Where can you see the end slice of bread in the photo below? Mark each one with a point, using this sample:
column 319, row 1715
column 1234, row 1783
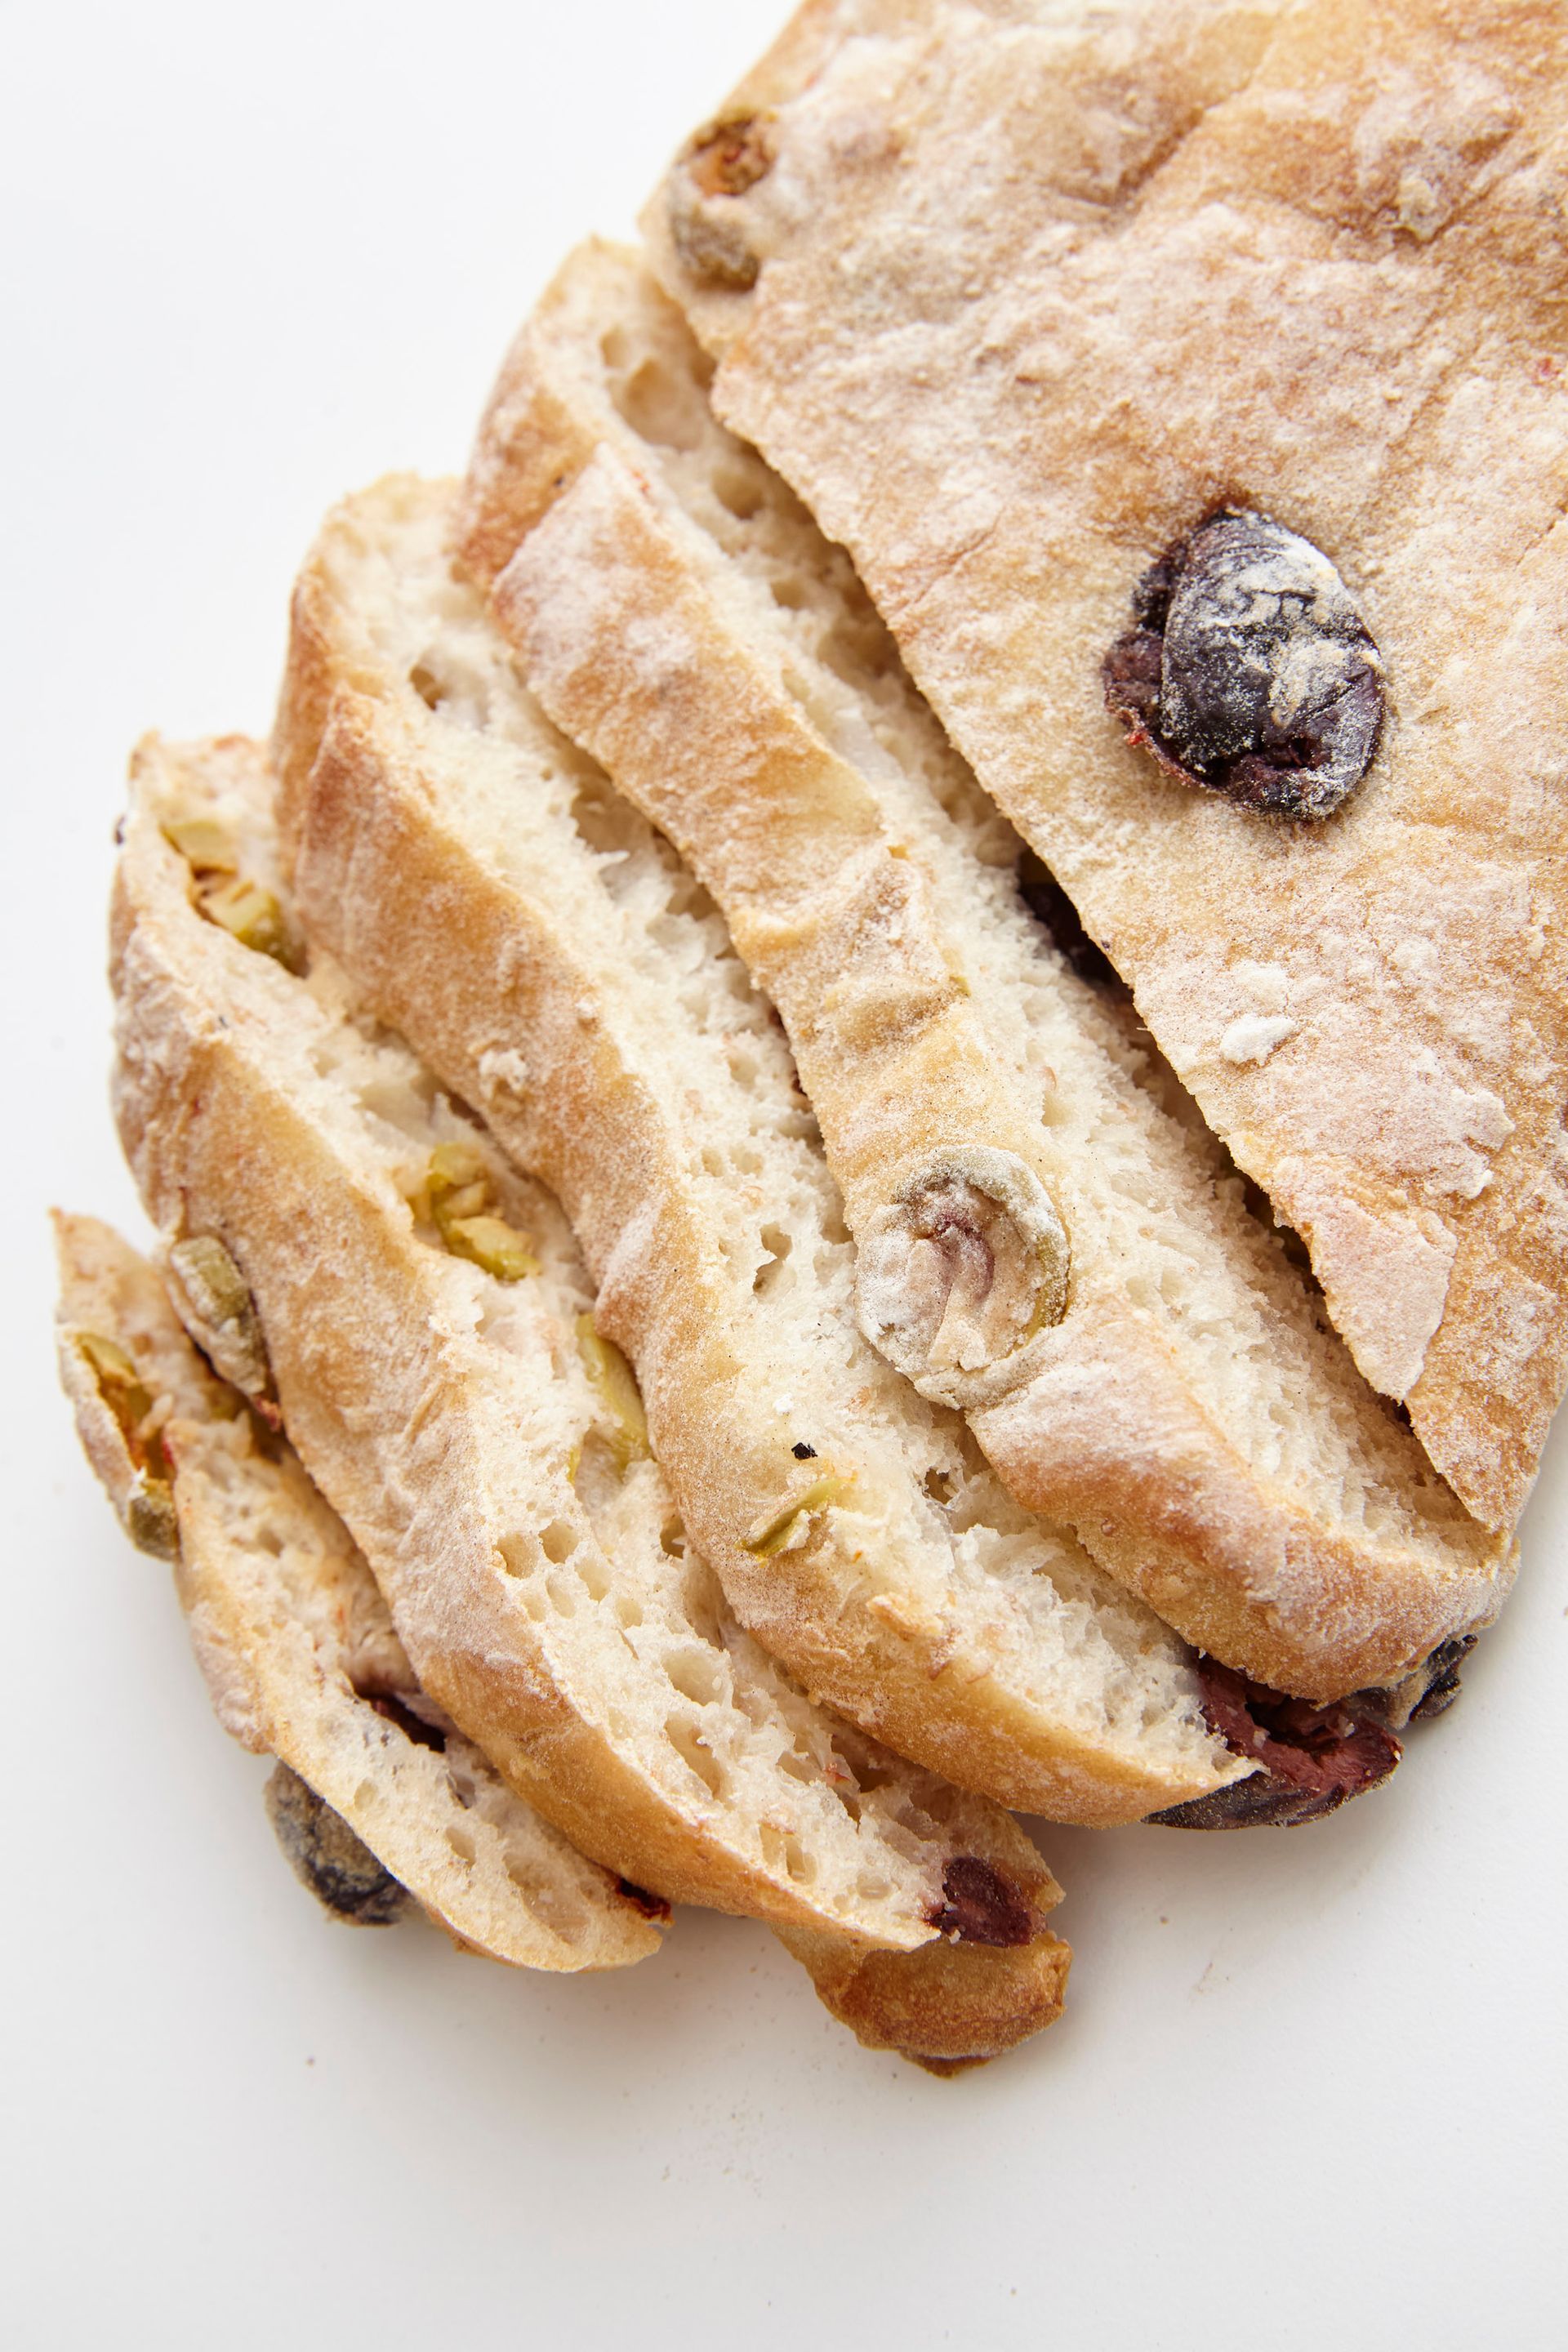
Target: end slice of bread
column 294, row 1639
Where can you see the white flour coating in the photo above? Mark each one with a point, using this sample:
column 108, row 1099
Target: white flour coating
column 1252, row 1036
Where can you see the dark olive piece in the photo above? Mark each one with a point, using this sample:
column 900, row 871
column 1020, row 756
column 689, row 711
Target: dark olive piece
column 1250, row 673
column 1261, row 1802
column 1443, row 1670
column 980, row 1906
column 1313, row 1757
column 412, row 1726
column 340, row 1870
column 652, row 1907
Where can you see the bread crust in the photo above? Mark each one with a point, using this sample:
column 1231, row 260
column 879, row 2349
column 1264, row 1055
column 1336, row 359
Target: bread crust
column 294, row 1686
column 973, row 345
column 452, row 938
column 936, row 2006
column 637, row 634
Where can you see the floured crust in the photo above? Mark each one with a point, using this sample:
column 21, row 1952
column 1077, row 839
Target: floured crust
column 480, row 928
column 1034, row 296
column 1276, row 1517
column 296, row 1646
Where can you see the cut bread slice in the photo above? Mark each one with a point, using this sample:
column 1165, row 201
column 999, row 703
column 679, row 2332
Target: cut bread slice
column 377, row 1796
column 294, row 1639
column 1022, row 301
column 428, row 1332
column 1174, row 1396
column 499, row 904
column 603, row 500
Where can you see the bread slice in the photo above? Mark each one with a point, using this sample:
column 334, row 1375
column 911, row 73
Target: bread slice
column 294, row 1639
column 1175, row 1399
column 501, row 906
column 1016, row 301
column 434, row 1362
column 602, row 499
column 376, row 1795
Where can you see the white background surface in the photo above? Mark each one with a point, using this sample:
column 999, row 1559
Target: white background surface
column 1309, row 2089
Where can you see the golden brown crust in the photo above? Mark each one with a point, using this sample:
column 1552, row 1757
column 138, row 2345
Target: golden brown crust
column 950, row 2005
column 974, row 345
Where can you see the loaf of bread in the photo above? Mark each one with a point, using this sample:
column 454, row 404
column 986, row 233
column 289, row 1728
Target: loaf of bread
column 295, row 1643
column 702, row 1348
column 499, row 904
column 1170, row 1394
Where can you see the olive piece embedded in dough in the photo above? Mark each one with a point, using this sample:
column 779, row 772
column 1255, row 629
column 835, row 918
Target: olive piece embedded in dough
column 615, row 1384
column 1251, row 673
column 719, row 164
column 150, row 1516
column 980, row 1905
column 204, row 844
column 960, row 1268
column 214, row 1302
column 458, row 1191
column 785, row 1529
column 328, row 1857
